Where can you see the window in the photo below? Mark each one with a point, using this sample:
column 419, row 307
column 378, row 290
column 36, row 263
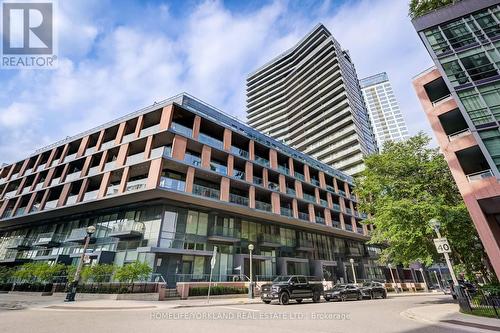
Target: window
column 197, row 223
column 478, row 66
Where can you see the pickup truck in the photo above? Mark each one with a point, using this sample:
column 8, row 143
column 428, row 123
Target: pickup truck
column 296, row 287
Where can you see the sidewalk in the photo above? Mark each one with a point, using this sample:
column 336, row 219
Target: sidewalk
column 448, row 315
column 410, row 293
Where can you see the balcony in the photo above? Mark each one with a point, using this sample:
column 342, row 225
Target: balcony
column 204, row 138
column 239, row 152
column 71, row 200
column 181, row 129
column 320, row 219
column 258, row 181
column 359, row 230
column 336, row 207
column 93, row 171
column 136, row 185
column 239, row 174
column 40, row 167
column 127, row 229
column 90, row 195
column 348, row 211
column 128, row 137
column 336, row 224
column 284, row 169
column 134, row 159
column 193, row 160
column 305, row 245
column 304, row 216
column 309, row 197
column 206, row 191
column 78, row 236
column 109, row 166
column 173, row 184
column 219, row 168
column 158, row 152
column 330, row 188
column 348, row 227
column 459, row 134
column 323, row 202
column 20, row 211
column 90, row 150
column 70, row 158
column 263, row 206
column 238, row 199
column 314, row 181
column 479, row 175
column 50, row 204
column 262, row 161
column 112, row 190
column 72, row 176
column 48, row 239
column 286, row 212
column 55, row 181
column 342, row 193
column 290, row 191
column 299, row 176
column 150, row 130
column 273, row 186
column 107, row 145
column 267, row 240
column 223, row 235
column 19, row 243
column 10, row 194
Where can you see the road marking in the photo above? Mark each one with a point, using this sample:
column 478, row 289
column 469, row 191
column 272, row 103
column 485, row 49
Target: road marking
column 240, row 309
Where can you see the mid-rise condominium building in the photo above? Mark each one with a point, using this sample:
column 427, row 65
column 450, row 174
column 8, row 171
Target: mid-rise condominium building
column 461, row 98
column 309, row 98
column 386, row 119
column 169, row 182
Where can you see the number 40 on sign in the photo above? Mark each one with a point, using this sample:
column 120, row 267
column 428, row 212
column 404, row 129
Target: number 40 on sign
column 442, row 245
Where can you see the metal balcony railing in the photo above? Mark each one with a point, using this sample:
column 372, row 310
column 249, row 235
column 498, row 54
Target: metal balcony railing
column 303, row 216
column 181, row 129
column 206, row 191
column 136, row 185
column 459, row 134
column 216, row 143
column 238, row 199
column 263, row 206
column 48, row 239
column 173, row 184
column 19, row 243
column 239, row 152
column 286, row 212
column 90, row 195
column 262, row 161
column 479, row 175
column 127, row 229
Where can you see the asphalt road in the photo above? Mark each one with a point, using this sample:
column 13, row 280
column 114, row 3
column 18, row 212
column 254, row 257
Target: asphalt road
column 353, row 316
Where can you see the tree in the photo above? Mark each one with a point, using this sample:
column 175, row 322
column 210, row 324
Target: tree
column 405, row 186
column 422, row 7
column 39, row 271
column 98, row 273
column 134, row 271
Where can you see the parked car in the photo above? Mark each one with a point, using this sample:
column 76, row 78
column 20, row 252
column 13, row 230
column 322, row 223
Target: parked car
column 295, row 287
column 373, row 290
column 343, row 292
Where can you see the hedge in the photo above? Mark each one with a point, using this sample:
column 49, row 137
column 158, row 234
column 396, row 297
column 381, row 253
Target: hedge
column 217, row 290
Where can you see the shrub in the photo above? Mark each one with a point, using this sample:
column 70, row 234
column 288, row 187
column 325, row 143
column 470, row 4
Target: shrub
column 6, row 274
column 492, row 289
column 133, row 272
column 217, row 290
column 39, row 271
column 422, row 7
column 98, row 273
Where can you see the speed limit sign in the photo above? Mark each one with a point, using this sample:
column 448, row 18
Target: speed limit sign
column 442, row 245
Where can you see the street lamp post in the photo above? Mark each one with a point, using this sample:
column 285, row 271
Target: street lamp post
column 250, row 287
column 437, row 280
column 436, row 225
column 353, row 271
column 396, row 289
column 70, row 296
column 423, row 277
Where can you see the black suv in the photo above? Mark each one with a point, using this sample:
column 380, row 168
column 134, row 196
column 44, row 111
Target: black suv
column 296, row 287
column 373, row 289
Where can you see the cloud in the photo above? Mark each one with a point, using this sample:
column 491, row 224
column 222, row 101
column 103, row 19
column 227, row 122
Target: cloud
column 112, row 63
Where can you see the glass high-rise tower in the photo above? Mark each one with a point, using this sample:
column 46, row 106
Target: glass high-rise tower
column 387, row 121
column 309, row 97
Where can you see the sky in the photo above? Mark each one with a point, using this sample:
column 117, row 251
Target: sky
column 118, row 56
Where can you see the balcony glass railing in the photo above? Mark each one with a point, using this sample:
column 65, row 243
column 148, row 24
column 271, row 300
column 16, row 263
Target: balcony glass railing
column 18, row 242
column 172, row 184
column 39, row 186
column 221, row 231
column 50, row 204
column 320, row 219
column 239, row 174
column 314, row 181
column 10, row 194
column 299, row 176
column 127, row 226
column 305, row 243
column 359, row 230
column 40, row 167
column 290, row 191
column 348, row 227
column 20, row 211
column 73, row 176
column 150, row 130
column 71, row 200
column 206, row 191
column 336, row 207
column 181, row 129
column 267, row 238
column 136, row 185
column 239, row 152
column 216, row 143
column 258, row 181
column 192, row 159
column 35, row 207
column 262, row 161
column 112, row 190
column 7, row 213
column 263, row 206
column 286, row 212
column 14, row 176
column 26, row 190
column 47, row 237
column 323, row 202
column 219, row 168
column 342, row 193
column 167, row 152
column 70, row 157
column 348, row 211
column 303, row 216
column 238, row 199
column 336, row 224
column 284, row 169
column 479, row 175
column 330, row 188
column 273, row 186
column 90, row 195
column 309, row 197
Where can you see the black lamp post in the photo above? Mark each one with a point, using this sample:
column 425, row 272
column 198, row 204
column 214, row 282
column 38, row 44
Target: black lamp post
column 70, row 296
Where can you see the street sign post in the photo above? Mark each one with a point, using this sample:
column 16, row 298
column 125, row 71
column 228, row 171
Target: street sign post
column 212, row 265
column 442, row 245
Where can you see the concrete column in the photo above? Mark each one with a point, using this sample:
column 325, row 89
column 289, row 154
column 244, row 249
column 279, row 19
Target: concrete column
column 251, row 197
column 347, row 190
column 335, row 185
column 49, row 177
column 353, row 222
column 249, row 172
column 322, row 180
column 24, row 167
column 251, row 150
column 30, row 203
column 83, row 146
column 295, row 208
column 45, row 197
column 122, row 155
column 83, row 189
column 4, row 206
column 86, row 166
column 316, row 194
column 227, row 139
column 16, row 205
column 312, row 215
column 190, row 179
column 38, row 160
column 167, row 114
column 64, row 173
column 139, row 125
column 265, row 178
column 35, row 182
column 196, row 127
column 104, row 185
column 206, row 152
column 64, row 195
column 282, row 183
column 103, row 160
column 224, row 189
column 99, row 140
column 230, row 165
column 124, row 180
column 64, row 154
column 21, row 185
column 121, row 132
column 342, row 222
column 179, row 145
column 149, row 146
column 276, row 203
column 329, row 199
column 154, row 173
column 298, row 189
column 11, row 171
column 328, row 217
column 307, row 175
column 273, row 159
column 291, row 167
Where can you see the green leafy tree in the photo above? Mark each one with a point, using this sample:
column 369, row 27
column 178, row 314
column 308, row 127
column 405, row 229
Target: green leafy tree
column 6, row 273
column 133, row 272
column 405, row 186
column 422, row 7
column 98, row 273
column 39, row 271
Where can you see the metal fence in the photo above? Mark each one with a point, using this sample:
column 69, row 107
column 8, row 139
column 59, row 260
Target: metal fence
column 478, row 302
